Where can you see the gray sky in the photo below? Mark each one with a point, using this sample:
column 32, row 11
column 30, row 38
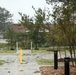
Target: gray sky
column 24, row 6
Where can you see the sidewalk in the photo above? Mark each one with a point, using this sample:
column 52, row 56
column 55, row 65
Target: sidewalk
column 13, row 67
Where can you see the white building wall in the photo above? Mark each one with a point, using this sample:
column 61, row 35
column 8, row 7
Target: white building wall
column 3, row 41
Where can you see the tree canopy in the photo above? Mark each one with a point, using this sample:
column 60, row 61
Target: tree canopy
column 5, row 18
column 35, row 26
column 65, row 20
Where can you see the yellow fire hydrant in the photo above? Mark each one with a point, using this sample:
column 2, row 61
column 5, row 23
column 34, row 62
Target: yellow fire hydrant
column 21, row 56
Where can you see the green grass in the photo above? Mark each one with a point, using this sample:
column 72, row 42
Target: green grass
column 41, row 51
column 48, row 51
column 7, row 51
column 2, row 62
column 48, row 62
column 45, row 62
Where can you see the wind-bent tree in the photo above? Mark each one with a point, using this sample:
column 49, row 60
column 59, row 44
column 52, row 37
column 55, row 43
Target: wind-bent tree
column 5, row 18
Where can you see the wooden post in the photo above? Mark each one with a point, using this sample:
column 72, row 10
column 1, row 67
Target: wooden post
column 17, row 46
column 31, row 45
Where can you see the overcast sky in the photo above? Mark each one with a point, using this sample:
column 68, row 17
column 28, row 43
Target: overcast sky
column 24, row 6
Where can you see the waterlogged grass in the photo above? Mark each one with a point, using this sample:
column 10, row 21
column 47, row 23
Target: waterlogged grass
column 2, row 62
column 7, row 51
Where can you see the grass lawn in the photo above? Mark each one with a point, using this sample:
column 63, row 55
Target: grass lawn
column 48, row 51
column 7, row 51
column 41, row 51
column 49, row 62
column 2, row 62
column 45, row 62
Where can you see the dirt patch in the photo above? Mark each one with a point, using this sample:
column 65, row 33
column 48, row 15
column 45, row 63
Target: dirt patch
column 49, row 70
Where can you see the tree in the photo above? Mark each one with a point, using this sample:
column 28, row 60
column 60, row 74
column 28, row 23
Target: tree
column 36, row 27
column 27, row 22
column 65, row 19
column 11, row 38
column 5, row 18
column 39, row 27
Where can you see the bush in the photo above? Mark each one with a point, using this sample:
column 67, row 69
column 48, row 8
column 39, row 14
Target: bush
column 36, row 48
column 12, row 49
column 49, row 49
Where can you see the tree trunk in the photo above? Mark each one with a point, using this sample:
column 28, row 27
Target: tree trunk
column 65, row 51
column 36, row 46
column 59, row 51
column 74, row 54
column 71, row 55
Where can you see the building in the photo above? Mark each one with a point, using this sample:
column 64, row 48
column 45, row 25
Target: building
column 2, row 40
column 17, row 28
